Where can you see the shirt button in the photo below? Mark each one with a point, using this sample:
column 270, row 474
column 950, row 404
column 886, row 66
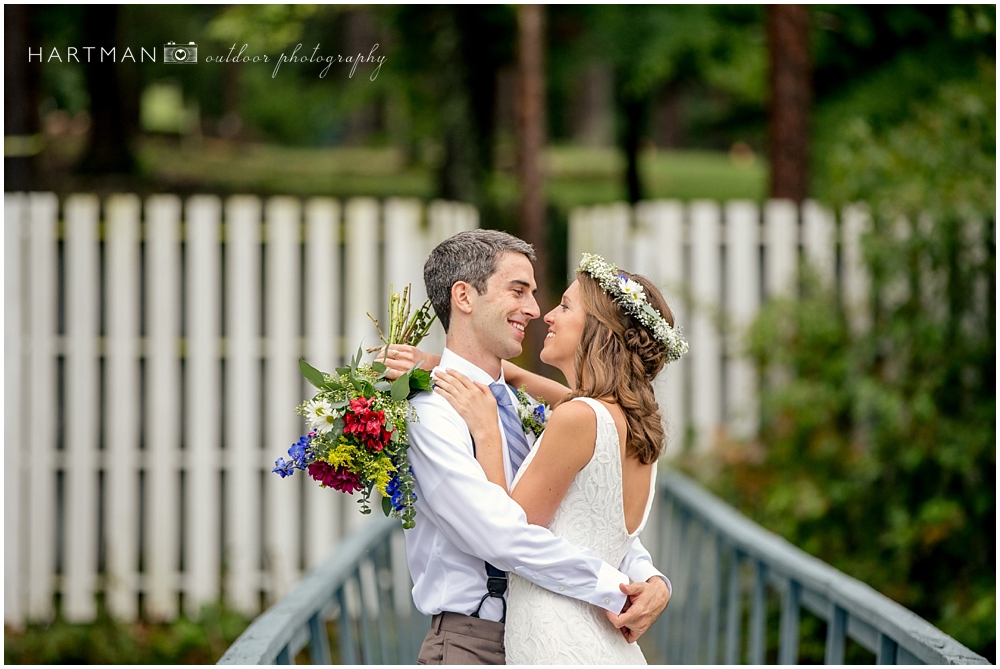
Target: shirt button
column 561, row 588
column 607, row 600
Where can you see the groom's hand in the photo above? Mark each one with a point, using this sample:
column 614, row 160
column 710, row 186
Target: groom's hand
column 644, row 605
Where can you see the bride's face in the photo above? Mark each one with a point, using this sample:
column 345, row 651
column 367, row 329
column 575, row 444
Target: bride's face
column 565, row 329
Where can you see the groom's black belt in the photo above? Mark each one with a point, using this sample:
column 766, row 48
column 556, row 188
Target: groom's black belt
column 496, row 586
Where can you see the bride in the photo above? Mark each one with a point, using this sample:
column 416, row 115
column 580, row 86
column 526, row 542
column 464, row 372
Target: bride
column 591, row 477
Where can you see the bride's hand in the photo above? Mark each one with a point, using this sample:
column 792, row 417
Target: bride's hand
column 400, row 358
column 473, row 401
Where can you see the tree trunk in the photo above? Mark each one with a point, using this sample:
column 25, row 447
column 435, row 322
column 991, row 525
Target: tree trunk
column 632, row 123
column 22, row 140
column 459, row 172
column 112, row 123
column 530, row 143
column 790, row 101
column 635, row 112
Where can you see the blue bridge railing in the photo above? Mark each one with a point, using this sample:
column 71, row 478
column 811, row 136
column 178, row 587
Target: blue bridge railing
column 356, row 608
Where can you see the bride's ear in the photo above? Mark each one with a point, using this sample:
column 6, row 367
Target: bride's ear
column 463, row 296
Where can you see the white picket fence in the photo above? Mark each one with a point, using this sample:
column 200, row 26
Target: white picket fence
column 150, row 378
column 716, row 264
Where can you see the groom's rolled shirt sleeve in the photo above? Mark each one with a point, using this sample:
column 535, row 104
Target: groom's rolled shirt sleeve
column 480, row 519
column 638, row 565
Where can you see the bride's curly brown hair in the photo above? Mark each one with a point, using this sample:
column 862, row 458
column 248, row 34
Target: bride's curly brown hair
column 618, row 358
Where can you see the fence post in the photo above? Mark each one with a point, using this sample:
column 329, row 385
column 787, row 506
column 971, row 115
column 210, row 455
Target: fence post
column 122, row 410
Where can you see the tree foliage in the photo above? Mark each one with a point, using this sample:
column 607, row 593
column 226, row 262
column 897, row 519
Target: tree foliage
column 877, row 451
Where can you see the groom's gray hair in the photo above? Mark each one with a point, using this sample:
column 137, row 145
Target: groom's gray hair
column 471, row 257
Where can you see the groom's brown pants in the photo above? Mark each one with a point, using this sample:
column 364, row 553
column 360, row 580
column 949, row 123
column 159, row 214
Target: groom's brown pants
column 458, row 639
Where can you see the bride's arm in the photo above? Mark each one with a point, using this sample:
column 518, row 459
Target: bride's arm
column 568, row 446
column 538, row 386
column 476, row 405
column 398, row 358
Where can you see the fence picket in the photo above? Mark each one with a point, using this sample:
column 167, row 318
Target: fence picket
column 163, row 408
column 780, row 248
column 761, row 261
column 742, row 303
column 180, row 412
column 41, row 338
column 121, row 408
column 819, row 240
column 669, row 237
column 403, row 263
column 14, row 213
column 282, row 388
column 324, row 508
column 243, row 408
column 612, row 233
column 203, row 411
column 579, row 239
column 855, row 283
column 362, row 293
column 706, row 356
column 80, row 498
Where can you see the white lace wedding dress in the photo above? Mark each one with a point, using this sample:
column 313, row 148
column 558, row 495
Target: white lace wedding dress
column 546, row 628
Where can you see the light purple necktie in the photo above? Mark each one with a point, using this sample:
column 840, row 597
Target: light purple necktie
column 517, row 443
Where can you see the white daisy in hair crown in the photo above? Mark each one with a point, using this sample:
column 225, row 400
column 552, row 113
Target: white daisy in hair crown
column 629, row 294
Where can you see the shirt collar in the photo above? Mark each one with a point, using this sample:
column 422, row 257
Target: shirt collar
column 452, row 360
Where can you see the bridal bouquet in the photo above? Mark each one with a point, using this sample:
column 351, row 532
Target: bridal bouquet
column 358, row 419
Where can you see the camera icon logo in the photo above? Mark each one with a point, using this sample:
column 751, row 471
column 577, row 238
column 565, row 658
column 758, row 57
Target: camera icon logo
column 180, row 54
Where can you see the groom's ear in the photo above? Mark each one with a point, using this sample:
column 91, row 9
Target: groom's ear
column 463, row 296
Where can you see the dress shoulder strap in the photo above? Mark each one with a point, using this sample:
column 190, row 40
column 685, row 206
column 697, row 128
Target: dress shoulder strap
column 605, row 423
column 603, row 415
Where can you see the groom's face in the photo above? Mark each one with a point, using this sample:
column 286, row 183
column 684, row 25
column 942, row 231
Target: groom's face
column 499, row 315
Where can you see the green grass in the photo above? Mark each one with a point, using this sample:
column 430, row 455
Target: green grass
column 107, row 641
column 575, row 176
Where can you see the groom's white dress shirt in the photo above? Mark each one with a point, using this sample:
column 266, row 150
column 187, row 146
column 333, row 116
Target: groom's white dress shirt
column 463, row 520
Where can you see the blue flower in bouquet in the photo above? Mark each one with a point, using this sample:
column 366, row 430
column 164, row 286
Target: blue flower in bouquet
column 299, row 451
column 282, row 468
column 395, row 494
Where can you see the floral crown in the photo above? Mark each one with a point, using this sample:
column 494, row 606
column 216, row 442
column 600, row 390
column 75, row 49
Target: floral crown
column 629, row 294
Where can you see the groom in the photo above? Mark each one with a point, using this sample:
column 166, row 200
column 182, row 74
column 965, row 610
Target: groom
column 481, row 284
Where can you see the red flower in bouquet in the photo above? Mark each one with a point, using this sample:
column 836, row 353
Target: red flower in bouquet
column 366, row 425
column 338, row 478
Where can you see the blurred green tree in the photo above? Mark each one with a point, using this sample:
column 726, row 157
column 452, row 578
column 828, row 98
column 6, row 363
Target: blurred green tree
column 449, row 58
column 878, row 455
column 655, row 50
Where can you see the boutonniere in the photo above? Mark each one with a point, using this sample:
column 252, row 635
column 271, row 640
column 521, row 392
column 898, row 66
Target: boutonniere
column 533, row 414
